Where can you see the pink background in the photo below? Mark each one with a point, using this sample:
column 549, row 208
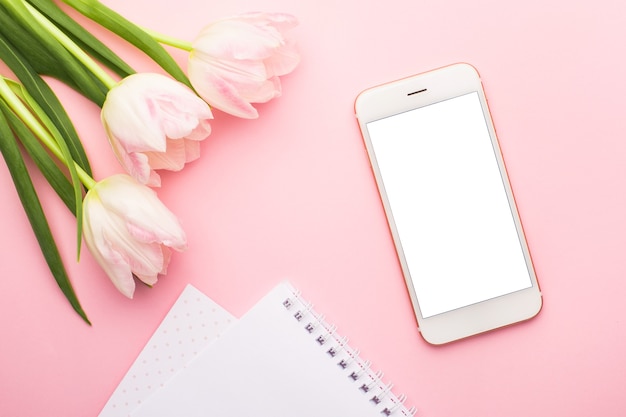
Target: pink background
column 290, row 195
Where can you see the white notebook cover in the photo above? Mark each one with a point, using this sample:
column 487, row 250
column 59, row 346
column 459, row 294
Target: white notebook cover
column 269, row 363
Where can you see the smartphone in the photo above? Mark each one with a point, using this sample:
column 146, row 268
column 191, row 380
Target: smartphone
column 449, row 204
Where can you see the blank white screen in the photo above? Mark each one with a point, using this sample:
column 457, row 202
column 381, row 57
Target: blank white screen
column 449, row 204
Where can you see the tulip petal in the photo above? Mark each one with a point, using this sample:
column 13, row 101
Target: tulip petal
column 142, row 209
column 251, row 79
column 119, row 271
column 263, row 92
column 179, row 116
column 153, row 278
column 149, row 280
column 174, row 159
column 136, row 164
column 284, row 60
column 167, row 255
column 192, row 150
column 232, row 39
column 132, row 120
column 201, row 132
column 218, row 92
column 144, row 259
column 112, row 262
column 281, row 21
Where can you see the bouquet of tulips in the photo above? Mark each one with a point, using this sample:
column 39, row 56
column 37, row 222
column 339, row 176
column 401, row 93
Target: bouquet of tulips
column 154, row 121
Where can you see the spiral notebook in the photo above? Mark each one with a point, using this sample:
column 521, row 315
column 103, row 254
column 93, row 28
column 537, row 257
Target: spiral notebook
column 281, row 359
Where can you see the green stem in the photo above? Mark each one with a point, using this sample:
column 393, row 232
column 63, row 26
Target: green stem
column 71, row 46
column 33, row 124
column 168, row 40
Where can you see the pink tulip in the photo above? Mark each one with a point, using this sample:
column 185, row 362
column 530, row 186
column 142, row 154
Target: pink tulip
column 129, row 231
column 154, row 122
column 237, row 61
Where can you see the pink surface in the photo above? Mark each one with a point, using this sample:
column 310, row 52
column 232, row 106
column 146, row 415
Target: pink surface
column 290, row 195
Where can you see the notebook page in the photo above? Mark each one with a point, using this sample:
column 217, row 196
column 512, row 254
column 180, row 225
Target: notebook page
column 191, row 324
column 269, row 364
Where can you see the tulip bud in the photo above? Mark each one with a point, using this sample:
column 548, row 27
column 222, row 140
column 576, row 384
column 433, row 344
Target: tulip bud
column 154, row 122
column 237, row 61
column 129, row 231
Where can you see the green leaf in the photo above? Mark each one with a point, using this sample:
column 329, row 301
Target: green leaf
column 32, row 207
column 27, row 109
column 86, row 82
column 46, row 98
column 48, row 167
column 60, row 140
column 132, row 33
column 82, row 37
column 13, row 33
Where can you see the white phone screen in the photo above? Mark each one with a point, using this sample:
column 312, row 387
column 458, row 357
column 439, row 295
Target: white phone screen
column 449, row 204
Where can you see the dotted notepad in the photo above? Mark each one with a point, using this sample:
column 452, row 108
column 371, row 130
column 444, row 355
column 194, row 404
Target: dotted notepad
column 192, row 323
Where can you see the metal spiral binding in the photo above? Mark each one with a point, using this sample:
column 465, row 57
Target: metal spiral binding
column 348, row 360
column 367, row 387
